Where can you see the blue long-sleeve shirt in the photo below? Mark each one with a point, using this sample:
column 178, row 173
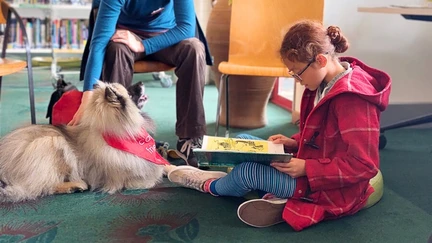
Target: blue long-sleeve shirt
column 176, row 17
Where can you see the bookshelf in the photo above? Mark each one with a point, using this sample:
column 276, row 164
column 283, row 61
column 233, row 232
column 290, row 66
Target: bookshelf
column 55, row 11
column 54, row 28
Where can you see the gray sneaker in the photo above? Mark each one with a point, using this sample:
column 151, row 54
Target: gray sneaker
column 262, row 213
column 191, row 177
column 185, row 150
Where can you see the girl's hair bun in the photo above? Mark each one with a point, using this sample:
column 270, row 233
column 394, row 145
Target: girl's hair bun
column 337, row 39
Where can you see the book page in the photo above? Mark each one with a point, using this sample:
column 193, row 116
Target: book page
column 411, row 6
column 211, row 143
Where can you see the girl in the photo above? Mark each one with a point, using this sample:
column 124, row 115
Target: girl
column 336, row 150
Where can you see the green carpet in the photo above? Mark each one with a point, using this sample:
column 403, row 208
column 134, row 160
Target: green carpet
column 172, row 214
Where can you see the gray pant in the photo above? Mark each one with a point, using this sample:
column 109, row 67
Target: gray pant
column 188, row 57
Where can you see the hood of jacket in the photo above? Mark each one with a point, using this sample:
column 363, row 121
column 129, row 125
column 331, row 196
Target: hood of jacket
column 369, row 83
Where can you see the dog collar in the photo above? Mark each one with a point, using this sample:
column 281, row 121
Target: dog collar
column 143, row 146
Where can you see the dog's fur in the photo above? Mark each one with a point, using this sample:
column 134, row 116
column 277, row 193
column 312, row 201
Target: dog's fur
column 41, row 160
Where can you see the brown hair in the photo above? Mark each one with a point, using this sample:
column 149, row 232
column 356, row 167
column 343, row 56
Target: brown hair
column 306, row 39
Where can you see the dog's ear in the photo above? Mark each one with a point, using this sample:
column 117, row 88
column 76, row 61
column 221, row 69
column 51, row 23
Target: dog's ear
column 109, row 94
column 112, row 97
column 135, row 90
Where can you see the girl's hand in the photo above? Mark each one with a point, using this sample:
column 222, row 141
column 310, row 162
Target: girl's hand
column 288, row 143
column 129, row 39
column 295, row 168
column 85, row 100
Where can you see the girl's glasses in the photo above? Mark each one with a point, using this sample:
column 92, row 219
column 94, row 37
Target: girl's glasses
column 297, row 75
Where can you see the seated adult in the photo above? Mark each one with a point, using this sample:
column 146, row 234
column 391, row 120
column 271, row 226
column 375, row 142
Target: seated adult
column 162, row 30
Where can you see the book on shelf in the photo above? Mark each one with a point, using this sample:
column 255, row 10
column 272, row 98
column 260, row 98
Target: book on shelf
column 51, row 2
column 232, row 151
column 48, row 33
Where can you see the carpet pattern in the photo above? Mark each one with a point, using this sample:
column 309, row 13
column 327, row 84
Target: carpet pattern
column 169, row 213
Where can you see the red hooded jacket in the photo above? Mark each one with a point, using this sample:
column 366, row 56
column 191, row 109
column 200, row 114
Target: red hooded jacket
column 343, row 129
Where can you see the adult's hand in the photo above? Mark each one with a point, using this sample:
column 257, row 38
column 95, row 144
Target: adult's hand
column 85, row 100
column 128, row 38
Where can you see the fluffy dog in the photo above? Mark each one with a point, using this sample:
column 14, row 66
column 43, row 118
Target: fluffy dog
column 41, row 160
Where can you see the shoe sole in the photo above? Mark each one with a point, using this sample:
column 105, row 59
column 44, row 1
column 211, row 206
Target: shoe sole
column 175, row 154
column 261, row 213
column 172, row 153
column 188, row 167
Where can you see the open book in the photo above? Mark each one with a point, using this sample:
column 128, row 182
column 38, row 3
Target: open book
column 420, row 6
column 231, row 151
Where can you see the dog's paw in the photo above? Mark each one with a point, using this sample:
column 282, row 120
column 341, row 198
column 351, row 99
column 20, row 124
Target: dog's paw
column 77, row 189
column 168, row 169
column 71, row 187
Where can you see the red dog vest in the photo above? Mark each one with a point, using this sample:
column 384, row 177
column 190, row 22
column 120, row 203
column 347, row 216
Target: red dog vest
column 143, row 147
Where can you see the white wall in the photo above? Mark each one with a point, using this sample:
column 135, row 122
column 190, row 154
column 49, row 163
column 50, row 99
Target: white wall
column 203, row 9
column 402, row 48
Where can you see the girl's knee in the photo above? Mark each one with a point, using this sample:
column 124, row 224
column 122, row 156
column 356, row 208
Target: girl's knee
column 244, row 174
column 243, row 169
column 244, row 136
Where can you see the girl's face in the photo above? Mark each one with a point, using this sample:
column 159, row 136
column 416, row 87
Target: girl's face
column 310, row 75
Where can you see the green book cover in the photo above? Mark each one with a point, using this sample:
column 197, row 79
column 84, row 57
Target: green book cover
column 223, row 151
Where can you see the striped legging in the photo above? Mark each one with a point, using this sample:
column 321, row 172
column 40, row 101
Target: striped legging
column 249, row 176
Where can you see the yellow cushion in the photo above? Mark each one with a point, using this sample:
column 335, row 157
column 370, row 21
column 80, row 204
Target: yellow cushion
column 377, row 183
